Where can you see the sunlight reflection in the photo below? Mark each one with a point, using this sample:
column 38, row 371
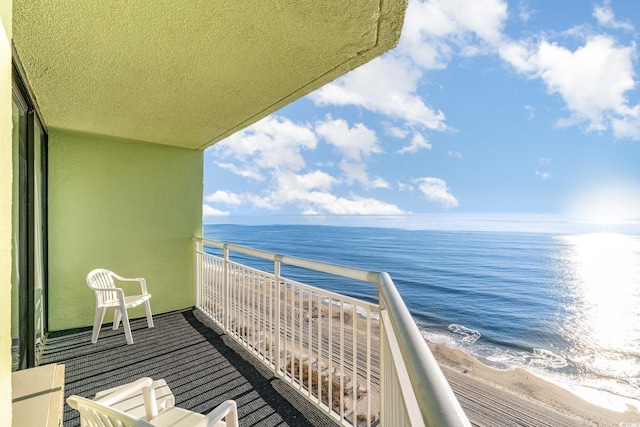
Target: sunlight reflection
column 604, row 277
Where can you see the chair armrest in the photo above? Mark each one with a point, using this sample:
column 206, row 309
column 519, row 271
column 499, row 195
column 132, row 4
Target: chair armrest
column 227, row 410
column 148, row 394
column 143, row 283
column 118, row 291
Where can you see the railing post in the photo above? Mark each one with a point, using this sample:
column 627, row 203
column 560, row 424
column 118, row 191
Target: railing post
column 382, row 354
column 199, row 247
column 225, row 288
column 276, row 273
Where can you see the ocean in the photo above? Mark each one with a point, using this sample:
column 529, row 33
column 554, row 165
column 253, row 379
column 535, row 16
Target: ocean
column 558, row 298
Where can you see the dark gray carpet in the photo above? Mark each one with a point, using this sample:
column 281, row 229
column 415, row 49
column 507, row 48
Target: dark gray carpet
column 202, row 368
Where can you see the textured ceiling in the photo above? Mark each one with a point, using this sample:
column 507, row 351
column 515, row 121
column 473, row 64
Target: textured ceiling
column 189, row 73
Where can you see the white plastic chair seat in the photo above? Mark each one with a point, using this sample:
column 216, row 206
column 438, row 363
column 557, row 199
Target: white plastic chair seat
column 181, row 417
column 120, row 406
column 133, row 403
column 108, row 296
column 130, row 301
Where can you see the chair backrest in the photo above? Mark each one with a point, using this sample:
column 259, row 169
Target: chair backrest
column 94, row 414
column 102, row 278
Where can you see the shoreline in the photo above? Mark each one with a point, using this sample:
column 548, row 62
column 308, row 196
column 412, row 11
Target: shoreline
column 467, row 375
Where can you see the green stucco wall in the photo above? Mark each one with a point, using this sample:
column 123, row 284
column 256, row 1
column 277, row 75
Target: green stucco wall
column 6, row 178
column 128, row 206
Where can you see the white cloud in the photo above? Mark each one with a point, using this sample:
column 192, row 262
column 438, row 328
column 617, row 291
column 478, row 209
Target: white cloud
column 273, row 150
column 525, row 12
column 208, row 210
column 592, row 80
column 404, row 186
column 605, row 17
column 418, row 142
column 311, row 193
column 263, row 202
column 316, row 180
column 317, row 201
column 386, row 85
column 378, row 182
column 454, row 154
column 246, row 172
column 544, row 174
column 272, row 143
column 355, row 172
column 396, row 132
column 435, row 190
column 628, row 126
column 356, row 143
column 520, row 55
column 530, row 112
column 433, row 28
column 354, row 205
column 224, row 197
column 544, row 163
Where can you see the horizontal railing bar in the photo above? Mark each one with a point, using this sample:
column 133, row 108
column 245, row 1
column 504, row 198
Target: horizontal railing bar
column 313, row 289
column 323, row 267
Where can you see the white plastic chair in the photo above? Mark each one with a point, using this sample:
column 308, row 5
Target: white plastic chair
column 110, row 409
column 102, row 282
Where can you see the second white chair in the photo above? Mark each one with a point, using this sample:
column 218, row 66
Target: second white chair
column 147, row 403
column 108, row 296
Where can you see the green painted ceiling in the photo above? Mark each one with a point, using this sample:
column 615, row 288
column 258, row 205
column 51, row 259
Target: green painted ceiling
column 189, row 73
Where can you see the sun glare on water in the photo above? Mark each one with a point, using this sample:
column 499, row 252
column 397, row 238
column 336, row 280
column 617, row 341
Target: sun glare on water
column 602, row 275
column 606, row 270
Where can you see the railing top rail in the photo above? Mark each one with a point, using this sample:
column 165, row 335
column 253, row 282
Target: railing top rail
column 324, row 267
column 438, row 404
column 321, row 292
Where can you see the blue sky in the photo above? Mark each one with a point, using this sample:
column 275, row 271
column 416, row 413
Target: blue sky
column 485, row 106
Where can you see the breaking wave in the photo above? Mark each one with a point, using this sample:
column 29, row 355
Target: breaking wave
column 468, row 335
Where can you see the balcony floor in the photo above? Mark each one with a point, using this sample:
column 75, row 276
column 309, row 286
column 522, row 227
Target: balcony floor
column 202, row 368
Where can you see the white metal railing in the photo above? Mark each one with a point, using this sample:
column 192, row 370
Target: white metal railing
column 359, row 362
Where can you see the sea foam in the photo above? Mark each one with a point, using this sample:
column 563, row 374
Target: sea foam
column 546, row 359
column 467, row 335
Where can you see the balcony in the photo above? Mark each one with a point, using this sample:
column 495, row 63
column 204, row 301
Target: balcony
column 288, row 353
column 227, row 346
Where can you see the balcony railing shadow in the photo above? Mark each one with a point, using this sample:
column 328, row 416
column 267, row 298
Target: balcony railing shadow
column 202, row 367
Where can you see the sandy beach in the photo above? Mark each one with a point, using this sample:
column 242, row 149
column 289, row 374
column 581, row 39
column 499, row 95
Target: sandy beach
column 515, row 397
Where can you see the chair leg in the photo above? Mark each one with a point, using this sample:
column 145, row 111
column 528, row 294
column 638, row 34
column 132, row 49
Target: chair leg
column 127, row 327
column 97, row 323
column 147, row 308
column 116, row 318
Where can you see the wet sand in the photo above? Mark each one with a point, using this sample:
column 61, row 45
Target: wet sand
column 515, row 397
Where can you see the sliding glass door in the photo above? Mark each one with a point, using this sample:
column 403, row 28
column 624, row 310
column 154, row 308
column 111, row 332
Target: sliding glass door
column 29, row 272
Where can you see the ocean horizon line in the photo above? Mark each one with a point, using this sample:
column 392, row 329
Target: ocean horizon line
column 479, row 222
